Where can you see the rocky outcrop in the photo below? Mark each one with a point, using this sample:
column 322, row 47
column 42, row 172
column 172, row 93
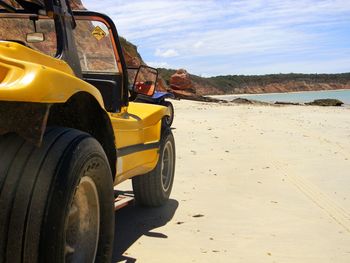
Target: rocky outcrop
column 181, row 81
column 131, row 55
column 187, row 86
column 181, row 84
column 242, row 101
column 326, row 102
column 287, row 103
column 190, row 96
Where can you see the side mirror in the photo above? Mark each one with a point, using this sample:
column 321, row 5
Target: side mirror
column 35, row 37
column 145, row 81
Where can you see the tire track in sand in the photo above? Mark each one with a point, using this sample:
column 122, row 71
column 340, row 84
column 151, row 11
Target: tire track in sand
column 334, row 210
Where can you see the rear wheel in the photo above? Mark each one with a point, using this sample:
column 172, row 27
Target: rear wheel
column 168, row 120
column 154, row 188
column 56, row 201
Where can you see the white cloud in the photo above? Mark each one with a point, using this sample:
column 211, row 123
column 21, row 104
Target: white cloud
column 198, row 44
column 157, row 64
column 169, row 53
column 224, row 31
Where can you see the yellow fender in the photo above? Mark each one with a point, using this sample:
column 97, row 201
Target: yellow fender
column 24, row 73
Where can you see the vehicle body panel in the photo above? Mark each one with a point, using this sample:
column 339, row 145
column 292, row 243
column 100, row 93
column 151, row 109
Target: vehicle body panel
column 24, row 75
column 142, row 120
column 138, row 132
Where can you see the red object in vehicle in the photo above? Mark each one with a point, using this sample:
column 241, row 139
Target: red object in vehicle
column 145, row 88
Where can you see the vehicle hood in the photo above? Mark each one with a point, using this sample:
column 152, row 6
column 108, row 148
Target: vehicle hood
column 27, row 75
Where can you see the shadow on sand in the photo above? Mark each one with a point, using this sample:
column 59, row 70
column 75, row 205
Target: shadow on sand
column 133, row 222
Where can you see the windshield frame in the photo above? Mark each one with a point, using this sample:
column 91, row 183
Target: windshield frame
column 91, row 15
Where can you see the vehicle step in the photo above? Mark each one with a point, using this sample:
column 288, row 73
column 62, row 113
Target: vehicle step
column 123, row 200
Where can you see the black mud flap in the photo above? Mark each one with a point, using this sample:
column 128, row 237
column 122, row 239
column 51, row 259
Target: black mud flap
column 26, row 119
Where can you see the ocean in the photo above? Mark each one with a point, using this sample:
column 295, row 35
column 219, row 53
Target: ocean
column 301, row 97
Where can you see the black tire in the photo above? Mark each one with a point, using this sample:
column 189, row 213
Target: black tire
column 168, row 120
column 37, row 190
column 153, row 189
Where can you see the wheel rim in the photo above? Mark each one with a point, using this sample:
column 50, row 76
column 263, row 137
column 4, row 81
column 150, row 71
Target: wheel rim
column 168, row 119
column 167, row 165
column 83, row 223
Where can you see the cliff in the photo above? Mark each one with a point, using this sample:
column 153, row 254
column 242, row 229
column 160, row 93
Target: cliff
column 274, row 83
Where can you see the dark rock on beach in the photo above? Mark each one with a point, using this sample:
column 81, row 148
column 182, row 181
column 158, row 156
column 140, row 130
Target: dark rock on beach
column 242, row 101
column 326, row 102
column 287, row 103
column 197, row 98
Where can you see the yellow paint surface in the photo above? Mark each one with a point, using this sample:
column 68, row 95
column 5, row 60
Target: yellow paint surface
column 24, row 75
column 27, row 75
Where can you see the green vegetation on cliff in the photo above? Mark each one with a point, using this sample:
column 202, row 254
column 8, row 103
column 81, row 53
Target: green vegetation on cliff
column 232, row 82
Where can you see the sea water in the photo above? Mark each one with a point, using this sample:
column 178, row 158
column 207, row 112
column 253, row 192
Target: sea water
column 301, row 97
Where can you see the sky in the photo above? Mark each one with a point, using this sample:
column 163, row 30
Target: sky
column 221, row 37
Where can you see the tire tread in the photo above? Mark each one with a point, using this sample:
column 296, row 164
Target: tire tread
column 26, row 180
column 148, row 187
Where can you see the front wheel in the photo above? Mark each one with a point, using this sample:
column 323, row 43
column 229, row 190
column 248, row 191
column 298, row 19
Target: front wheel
column 56, row 201
column 168, row 120
column 154, row 188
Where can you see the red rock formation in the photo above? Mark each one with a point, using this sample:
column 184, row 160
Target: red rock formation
column 181, row 80
column 181, row 84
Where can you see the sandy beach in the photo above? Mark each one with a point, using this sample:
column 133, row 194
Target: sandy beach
column 252, row 184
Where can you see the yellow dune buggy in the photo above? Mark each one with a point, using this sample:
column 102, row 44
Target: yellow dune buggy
column 68, row 134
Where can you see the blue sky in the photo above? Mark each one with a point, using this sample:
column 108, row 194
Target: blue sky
column 209, row 37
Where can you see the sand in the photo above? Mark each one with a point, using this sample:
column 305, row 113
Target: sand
column 253, row 184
